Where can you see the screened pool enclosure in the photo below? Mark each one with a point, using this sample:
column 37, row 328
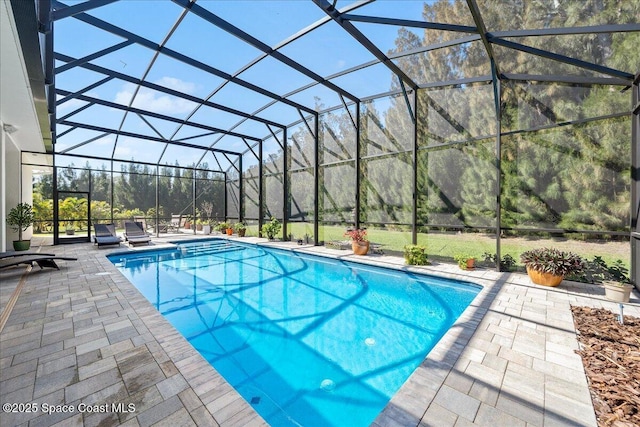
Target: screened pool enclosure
column 483, row 125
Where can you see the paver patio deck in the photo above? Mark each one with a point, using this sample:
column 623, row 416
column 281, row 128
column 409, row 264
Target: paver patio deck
column 85, row 335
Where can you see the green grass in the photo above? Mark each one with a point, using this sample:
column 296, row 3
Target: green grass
column 445, row 245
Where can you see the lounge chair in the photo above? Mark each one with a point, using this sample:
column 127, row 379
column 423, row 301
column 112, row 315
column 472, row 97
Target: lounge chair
column 10, row 254
column 174, row 225
column 135, row 235
column 43, row 260
column 105, row 234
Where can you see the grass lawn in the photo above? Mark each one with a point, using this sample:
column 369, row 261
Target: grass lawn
column 444, row 246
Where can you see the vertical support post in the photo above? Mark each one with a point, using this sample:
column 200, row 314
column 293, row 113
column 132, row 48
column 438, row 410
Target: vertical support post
column 497, row 93
column 157, row 218
column 193, row 200
column 414, row 177
column 89, row 207
column 225, row 199
column 357, row 166
column 56, row 217
column 240, row 191
column 316, row 180
column 635, row 182
column 285, row 184
column 260, row 190
column 111, row 198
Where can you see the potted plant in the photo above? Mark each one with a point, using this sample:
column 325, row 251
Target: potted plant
column 187, row 222
column 465, row 261
column 199, row 224
column 207, row 209
column 617, row 291
column 548, row 267
column 415, row 255
column 359, row 241
column 19, row 219
column 206, row 228
column 271, row 228
column 240, row 228
column 223, row 227
column 69, row 229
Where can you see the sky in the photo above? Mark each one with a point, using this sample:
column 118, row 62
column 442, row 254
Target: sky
column 326, row 51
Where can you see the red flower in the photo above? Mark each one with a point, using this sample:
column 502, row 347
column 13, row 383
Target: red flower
column 357, row 235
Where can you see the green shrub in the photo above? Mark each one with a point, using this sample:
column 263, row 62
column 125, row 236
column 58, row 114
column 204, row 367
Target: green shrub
column 271, row 228
column 415, row 255
column 597, row 271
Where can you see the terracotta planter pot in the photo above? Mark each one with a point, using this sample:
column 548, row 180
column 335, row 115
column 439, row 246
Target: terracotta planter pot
column 229, row 231
column 617, row 292
column 360, row 248
column 544, row 279
column 199, row 227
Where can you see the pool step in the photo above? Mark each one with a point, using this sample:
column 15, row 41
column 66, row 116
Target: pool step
column 210, row 250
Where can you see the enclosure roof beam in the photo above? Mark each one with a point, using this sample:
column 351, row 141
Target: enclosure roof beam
column 155, row 115
column 105, row 26
column 247, row 38
column 145, row 137
column 482, row 29
column 66, row 11
column 410, row 23
column 330, row 10
column 591, row 29
column 562, row 58
column 579, row 80
column 153, row 86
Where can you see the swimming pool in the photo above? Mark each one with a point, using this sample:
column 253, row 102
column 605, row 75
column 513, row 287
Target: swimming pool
column 306, row 340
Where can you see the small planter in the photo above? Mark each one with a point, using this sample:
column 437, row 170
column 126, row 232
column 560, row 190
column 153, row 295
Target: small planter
column 187, row 225
column 470, row 264
column 360, row 248
column 544, row 279
column 241, row 232
column 21, row 245
column 206, row 229
column 229, row 231
column 70, row 232
column 617, row 292
column 199, row 227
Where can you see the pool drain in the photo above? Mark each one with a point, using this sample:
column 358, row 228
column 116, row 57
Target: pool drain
column 327, row 385
column 370, row 341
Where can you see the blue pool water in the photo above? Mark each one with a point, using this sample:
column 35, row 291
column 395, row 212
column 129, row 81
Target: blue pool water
column 306, row 340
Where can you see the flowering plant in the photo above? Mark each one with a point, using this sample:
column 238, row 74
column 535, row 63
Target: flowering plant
column 357, row 234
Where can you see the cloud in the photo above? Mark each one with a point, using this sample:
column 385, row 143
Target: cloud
column 177, row 84
column 158, row 102
column 73, row 103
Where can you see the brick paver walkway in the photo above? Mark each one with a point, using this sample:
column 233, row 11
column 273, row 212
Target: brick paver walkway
column 84, row 337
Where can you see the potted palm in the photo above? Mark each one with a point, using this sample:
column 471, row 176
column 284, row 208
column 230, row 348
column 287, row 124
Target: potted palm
column 19, row 219
column 548, row 267
column 359, row 241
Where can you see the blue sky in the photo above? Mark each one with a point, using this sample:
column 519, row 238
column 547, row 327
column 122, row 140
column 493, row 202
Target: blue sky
column 326, row 51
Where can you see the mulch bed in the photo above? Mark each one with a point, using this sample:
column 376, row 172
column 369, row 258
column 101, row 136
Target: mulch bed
column 611, row 356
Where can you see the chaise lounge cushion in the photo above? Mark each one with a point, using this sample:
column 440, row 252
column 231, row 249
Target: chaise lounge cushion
column 105, row 234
